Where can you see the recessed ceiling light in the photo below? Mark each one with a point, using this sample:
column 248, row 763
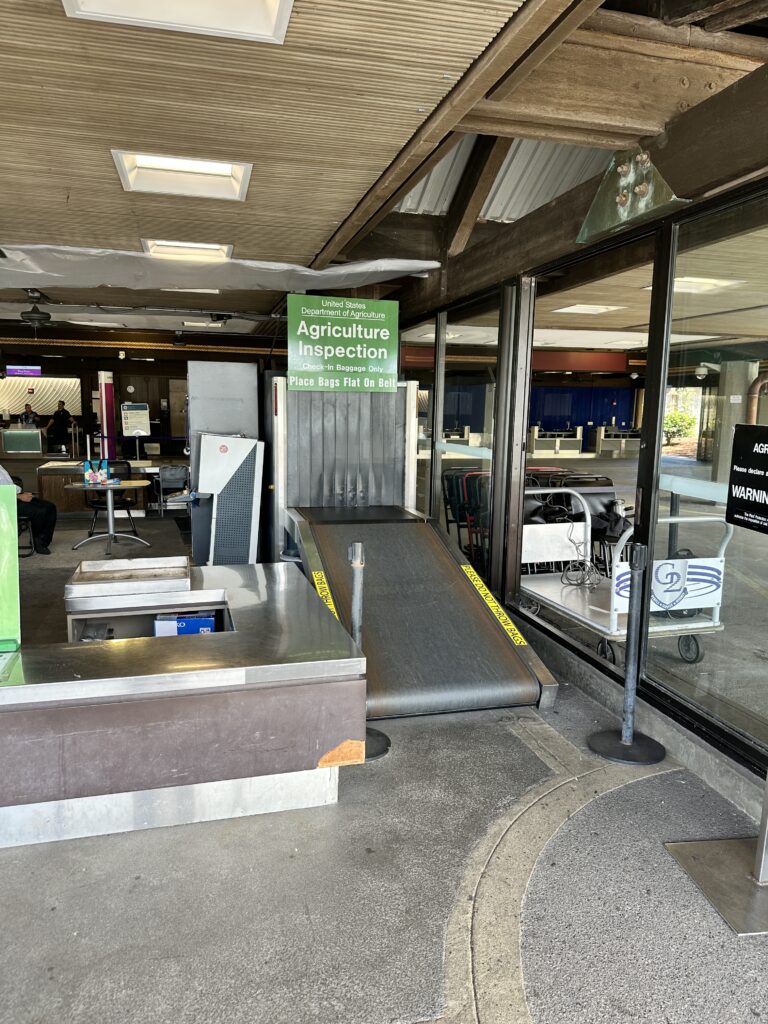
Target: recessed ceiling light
column 95, row 323
column 196, row 291
column 262, row 20
column 701, row 285
column 199, row 252
column 203, row 323
column 182, row 176
column 587, row 309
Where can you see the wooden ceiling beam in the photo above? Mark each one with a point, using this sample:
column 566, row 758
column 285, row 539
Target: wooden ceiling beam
column 434, row 158
column 516, row 40
column 573, row 99
column 733, row 17
column 565, row 26
column 574, row 134
column 475, row 184
column 684, row 12
column 632, row 33
column 707, row 148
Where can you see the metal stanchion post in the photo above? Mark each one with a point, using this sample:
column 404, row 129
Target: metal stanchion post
column 377, row 743
column 627, row 746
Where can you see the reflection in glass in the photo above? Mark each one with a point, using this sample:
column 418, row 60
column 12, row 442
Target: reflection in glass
column 587, row 398
column 708, row 641
column 465, row 447
column 417, row 362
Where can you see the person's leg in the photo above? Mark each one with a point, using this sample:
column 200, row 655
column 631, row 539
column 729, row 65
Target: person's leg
column 43, row 516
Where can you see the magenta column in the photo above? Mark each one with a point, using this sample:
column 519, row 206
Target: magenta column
column 107, row 414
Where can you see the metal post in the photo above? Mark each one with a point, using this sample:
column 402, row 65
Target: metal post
column 357, row 561
column 627, row 746
column 761, row 854
column 377, row 743
column 674, row 511
column 637, row 562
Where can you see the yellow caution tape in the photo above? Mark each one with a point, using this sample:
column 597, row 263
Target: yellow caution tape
column 324, row 591
column 494, row 607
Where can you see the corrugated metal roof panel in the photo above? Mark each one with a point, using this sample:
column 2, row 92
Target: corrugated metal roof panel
column 434, row 193
column 534, row 173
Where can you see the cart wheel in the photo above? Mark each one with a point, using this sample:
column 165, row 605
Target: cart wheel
column 530, row 605
column 690, row 649
column 609, row 651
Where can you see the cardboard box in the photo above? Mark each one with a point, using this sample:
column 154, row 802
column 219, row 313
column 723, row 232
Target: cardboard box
column 185, row 625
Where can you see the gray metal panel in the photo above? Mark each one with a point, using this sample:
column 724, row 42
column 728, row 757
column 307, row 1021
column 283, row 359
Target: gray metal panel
column 346, row 450
column 223, row 399
column 234, row 513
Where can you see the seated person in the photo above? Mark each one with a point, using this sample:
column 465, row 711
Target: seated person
column 42, row 514
column 29, row 417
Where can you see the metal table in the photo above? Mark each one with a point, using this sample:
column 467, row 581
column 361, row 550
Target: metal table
column 109, row 490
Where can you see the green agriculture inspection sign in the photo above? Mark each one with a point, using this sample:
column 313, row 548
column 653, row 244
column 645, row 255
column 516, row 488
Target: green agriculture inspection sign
column 341, row 344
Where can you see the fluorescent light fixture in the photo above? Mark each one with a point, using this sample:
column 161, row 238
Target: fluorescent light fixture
column 701, row 285
column 182, row 175
column 196, row 291
column 588, row 310
column 203, row 323
column 264, row 21
column 199, row 252
column 95, row 323
column 142, row 359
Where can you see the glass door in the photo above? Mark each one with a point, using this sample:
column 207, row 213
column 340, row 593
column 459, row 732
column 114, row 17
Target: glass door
column 707, row 633
column 583, row 438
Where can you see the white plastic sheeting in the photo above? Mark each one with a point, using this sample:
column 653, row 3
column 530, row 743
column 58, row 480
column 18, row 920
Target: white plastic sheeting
column 43, row 266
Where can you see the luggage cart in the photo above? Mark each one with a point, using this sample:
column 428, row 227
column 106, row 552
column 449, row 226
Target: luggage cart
column 686, row 592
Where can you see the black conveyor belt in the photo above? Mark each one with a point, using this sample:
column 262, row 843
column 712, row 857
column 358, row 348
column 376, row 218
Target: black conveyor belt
column 431, row 644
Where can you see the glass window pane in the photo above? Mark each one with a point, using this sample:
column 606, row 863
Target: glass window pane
column 586, row 410
column 417, row 362
column 707, row 631
column 465, row 447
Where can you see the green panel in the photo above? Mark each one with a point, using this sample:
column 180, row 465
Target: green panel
column 341, row 344
column 21, row 441
column 10, row 624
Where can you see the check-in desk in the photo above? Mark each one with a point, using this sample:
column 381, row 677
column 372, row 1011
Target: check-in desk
column 554, row 442
column 116, row 735
column 614, row 443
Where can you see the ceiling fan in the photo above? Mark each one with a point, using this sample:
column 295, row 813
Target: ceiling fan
column 35, row 317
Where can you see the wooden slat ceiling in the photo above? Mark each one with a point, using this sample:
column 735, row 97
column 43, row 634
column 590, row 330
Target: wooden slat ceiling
column 320, row 118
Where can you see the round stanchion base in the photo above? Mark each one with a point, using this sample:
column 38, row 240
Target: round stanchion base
column 642, row 749
column 377, row 744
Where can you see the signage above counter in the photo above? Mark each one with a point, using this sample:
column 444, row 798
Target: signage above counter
column 336, row 343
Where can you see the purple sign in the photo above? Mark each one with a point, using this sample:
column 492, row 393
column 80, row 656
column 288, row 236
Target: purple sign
column 23, row 371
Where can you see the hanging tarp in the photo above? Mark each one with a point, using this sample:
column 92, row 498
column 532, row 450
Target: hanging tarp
column 45, row 266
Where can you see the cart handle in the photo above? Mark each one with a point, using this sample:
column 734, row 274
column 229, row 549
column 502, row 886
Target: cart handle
column 625, row 537
column 727, row 527
column 581, row 501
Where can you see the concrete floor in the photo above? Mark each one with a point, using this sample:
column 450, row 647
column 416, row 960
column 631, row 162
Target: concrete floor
column 42, row 577
column 489, row 869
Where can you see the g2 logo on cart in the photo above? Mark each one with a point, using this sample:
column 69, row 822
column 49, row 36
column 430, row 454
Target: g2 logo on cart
column 678, row 583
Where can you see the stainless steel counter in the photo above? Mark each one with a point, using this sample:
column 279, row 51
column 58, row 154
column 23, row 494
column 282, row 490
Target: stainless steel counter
column 283, row 634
